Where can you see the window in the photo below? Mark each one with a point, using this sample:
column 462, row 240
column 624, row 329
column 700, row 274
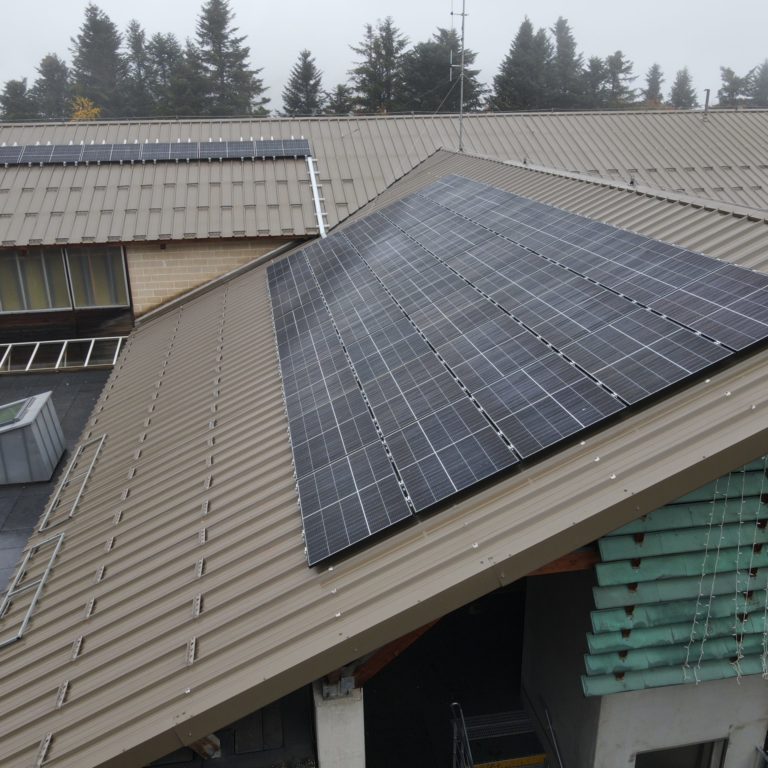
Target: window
column 34, row 280
column 98, row 277
column 48, row 278
column 710, row 754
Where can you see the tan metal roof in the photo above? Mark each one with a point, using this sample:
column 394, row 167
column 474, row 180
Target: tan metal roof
column 721, row 156
column 194, row 476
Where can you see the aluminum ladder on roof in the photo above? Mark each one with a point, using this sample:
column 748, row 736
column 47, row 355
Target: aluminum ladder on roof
column 60, row 354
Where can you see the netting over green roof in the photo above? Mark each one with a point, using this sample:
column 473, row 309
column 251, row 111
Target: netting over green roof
column 682, row 593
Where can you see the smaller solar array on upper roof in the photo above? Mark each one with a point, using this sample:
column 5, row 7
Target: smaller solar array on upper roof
column 73, row 154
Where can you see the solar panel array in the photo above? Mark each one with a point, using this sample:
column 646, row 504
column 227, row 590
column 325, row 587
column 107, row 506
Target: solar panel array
column 73, row 154
column 464, row 329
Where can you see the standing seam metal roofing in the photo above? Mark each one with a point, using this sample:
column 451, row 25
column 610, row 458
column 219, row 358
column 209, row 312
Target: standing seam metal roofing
column 720, row 156
column 196, row 441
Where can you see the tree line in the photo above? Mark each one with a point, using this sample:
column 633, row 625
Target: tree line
column 131, row 74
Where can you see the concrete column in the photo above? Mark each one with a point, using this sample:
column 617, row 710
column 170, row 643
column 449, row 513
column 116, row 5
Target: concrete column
column 340, row 727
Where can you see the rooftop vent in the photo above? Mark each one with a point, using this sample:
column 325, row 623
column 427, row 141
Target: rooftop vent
column 31, row 440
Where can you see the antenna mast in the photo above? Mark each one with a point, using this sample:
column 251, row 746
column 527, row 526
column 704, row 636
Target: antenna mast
column 461, row 76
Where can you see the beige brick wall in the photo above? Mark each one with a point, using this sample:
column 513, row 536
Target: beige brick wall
column 158, row 275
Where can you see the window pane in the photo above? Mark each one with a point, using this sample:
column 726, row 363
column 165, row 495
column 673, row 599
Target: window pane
column 57, row 279
column 11, row 297
column 34, row 281
column 98, row 277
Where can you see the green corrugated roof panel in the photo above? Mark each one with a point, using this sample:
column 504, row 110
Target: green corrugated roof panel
column 694, row 515
column 601, row 685
column 680, row 541
column 670, row 634
column 667, row 590
column 683, row 591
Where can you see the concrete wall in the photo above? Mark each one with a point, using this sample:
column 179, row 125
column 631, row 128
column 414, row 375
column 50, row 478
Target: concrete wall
column 641, row 721
column 159, row 274
column 556, row 622
column 340, row 729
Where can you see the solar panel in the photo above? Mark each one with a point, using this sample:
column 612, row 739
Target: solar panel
column 185, row 150
column 10, row 155
column 463, row 329
column 36, row 154
column 125, row 153
column 66, row 153
column 154, row 151
column 97, row 153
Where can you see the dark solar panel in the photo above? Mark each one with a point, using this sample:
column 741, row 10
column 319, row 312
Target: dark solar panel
column 463, row 328
column 125, row 153
column 184, row 150
column 153, row 152
column 97, row 153
column 10, row 155
column 36, row 154
column 66, row 153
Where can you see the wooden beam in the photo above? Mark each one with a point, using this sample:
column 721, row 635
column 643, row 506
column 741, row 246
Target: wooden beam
column 580, row 560
column 387, row 654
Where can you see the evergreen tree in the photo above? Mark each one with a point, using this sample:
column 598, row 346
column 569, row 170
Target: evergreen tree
column 138, row 93
column 683, row 95
column 16, row 102
column 98, row 69
column 652, row 95
column 188, row 93
column 232, row 88
column 303, row 94
column 524, row 78
column 165, row 66
column 595, row 83
column 377, row 79
column 567, row 68
column 339, row 101
column 735, row 89
column 759, row 85
column 51, row 90
column 430, row 85
column 619, row 76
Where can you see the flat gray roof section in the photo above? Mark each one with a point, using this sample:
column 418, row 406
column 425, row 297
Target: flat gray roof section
column 181, row 599
column 21, row 505
column 720, row 156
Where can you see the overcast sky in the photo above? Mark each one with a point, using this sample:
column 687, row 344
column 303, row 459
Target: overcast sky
column 702, row 35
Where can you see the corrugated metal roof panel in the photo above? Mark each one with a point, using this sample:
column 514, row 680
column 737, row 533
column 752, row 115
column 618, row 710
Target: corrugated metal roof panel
column 197, row 466
column 720, row 156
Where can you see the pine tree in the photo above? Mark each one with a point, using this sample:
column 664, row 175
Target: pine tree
column 683, row 95
column 303, row 94
column 595, row 83
column 735, row 89
column 759, row 85
column 567, row 68
column 524, row 78
column 377, row 79
column 619, row 76
column 652, row 95
column 138, row 95
column 16, row 102
column 98, row 69
column 165, row 62
column 51, row 91
column 430, row 85
column 232, row 87
column 339, row 101
column 188, row 92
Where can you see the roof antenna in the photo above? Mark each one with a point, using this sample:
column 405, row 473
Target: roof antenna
column 461, row 73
